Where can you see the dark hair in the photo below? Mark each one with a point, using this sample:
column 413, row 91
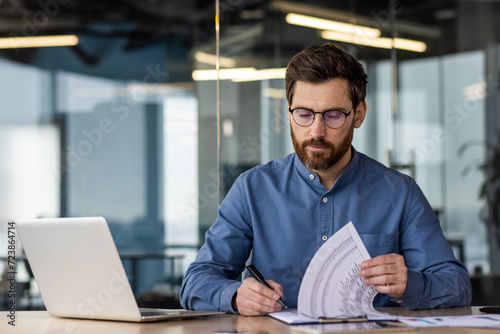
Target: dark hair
column 319, row 64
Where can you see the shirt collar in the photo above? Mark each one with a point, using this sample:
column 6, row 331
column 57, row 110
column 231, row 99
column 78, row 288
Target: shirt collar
column 351, row 167
column 310, row 176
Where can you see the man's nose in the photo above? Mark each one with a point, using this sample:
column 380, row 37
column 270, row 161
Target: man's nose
column 318, row 127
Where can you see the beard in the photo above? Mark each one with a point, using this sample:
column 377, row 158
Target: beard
column 321, row 161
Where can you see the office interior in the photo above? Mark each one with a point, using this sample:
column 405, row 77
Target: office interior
column 152, row 115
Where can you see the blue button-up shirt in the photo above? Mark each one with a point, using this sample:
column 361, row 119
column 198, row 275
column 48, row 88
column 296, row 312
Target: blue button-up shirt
column 277, row 215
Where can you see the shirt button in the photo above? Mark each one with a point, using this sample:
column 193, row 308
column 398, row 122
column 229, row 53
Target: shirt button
column 311, row 176
column 325, row 199
column 324, row 238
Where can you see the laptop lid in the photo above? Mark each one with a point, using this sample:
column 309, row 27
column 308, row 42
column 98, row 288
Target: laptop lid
column 79, row 272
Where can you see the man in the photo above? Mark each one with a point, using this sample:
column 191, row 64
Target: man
column 276, row 216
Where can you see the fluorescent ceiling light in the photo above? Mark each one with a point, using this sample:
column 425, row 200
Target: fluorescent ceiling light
column 224, row 74
column 38, row 41
column 210, row 59
column 410, row 45
column 240, row 74
column 379, row 42
column 270, row 73
column 322, row 24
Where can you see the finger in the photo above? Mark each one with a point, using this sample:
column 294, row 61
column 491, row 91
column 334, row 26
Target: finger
column 380, row 260
column 249, row 307
column 393, row 290
column 385, row 264
column 263, row 290
column 250, row 303
column 276, row 287
column 251, row 298
column 393, row 285
column 385, row 269
column 264, row 300
column 381, row 280
column 248, row 312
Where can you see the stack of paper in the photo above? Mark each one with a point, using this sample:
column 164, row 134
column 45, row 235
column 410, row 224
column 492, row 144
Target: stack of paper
column 331, row 288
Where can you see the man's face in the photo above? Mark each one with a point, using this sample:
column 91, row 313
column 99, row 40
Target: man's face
column 318, row 146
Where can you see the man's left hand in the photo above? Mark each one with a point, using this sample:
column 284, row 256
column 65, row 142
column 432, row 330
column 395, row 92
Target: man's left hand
column 387, row 274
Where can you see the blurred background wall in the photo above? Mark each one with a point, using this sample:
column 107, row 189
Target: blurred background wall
column 125, row 123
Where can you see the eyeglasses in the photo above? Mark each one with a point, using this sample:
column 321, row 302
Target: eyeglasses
column 334, row 119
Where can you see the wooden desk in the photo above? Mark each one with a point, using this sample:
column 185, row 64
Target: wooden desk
column 34, row 322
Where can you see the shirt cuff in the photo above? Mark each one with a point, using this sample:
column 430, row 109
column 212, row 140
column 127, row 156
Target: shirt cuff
column 226, row 297
column 414, row 286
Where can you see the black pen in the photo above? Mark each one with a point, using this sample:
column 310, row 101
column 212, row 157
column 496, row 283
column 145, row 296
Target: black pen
column 260, row 278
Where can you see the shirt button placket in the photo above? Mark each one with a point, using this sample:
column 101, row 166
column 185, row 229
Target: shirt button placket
column 324, row 208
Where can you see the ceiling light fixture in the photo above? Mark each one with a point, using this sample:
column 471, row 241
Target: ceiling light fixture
column 240, row 74
column 379, row 42
column 210, row 59
column 38, row 41
column 269, row 73
column 323, row 24
column 224, row 74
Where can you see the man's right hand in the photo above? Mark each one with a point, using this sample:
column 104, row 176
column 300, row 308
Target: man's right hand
column 254, row 298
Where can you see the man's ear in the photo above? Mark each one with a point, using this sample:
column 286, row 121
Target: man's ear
column 360, row 114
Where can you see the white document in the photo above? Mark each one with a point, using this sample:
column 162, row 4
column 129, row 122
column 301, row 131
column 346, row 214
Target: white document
column 292, row 317
column 331, row 287
column 483, row 320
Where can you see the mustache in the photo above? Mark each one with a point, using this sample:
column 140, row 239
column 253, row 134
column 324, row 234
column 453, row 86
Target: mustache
column 316, row 142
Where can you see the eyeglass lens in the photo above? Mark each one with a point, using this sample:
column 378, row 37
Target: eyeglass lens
column 333, row 118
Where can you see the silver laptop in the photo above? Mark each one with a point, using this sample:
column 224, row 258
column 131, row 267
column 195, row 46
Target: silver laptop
column 80, row 274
